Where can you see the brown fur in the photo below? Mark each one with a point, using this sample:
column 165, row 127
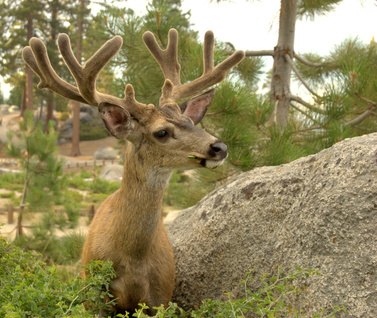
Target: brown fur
column 127, row 228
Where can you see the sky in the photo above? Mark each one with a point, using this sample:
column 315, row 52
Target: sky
column 253, row 24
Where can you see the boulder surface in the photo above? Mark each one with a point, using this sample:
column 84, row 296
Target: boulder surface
column 318, row 212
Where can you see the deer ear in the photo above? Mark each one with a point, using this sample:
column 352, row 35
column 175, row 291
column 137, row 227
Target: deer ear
column 116, row 119
column 197, row 107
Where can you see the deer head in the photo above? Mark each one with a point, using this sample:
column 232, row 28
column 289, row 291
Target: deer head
column 166, row 134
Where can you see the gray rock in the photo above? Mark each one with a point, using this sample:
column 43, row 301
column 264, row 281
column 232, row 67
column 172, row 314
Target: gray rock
column 13, row 109
column 112, row 172
column 88, row 116
column 317, row 212
column 106, row 153
column 92, row 111
column 6, row 109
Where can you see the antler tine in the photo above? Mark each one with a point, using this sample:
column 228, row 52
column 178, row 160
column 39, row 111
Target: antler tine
column 211, row 74
column 166, row 58
column 172, row 89
column 208, row 54
column 37, row 58
column 86, row 75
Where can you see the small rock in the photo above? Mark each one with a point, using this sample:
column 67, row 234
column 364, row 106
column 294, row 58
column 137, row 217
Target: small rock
column 106, row 153
column 112, row 172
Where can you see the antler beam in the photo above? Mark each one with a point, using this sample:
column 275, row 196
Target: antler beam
column 35, row 55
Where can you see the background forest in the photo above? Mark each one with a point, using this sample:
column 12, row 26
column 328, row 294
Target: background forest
column 256, row 112
column 261, row 128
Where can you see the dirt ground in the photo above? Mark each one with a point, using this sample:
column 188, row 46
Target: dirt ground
column 87, row 148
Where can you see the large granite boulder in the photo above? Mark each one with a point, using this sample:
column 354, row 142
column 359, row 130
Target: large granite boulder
column 318, row 212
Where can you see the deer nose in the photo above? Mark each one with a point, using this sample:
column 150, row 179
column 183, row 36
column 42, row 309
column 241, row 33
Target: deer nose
column 219, row 150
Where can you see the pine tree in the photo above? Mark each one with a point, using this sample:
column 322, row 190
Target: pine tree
column 42, row 170
column 20, row 18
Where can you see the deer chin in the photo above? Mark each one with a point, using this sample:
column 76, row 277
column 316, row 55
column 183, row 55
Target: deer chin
column 208, row 163
column 211, row 164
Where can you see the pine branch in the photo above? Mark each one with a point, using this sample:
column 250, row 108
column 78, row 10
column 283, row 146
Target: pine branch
column 294, row 68
column 259, row 53
column 306, row 104
column 369, row 101
column 372, row 106
column 357, row 120
column 304, row 113
column 309, row 129
column 302, row 60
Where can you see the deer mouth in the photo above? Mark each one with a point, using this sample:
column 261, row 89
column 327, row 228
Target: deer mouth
column 207, row 163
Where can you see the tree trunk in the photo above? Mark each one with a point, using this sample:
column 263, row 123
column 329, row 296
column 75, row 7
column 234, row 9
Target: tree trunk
column 51, row 95
column 50, row 109
column 75, row 149
column 281, row 72
column 75, row 146
column 28, row 94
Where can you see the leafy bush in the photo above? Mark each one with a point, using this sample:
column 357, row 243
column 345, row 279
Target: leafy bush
column 65, row 250
column 103, row 186
column 30, row 288
column 275, row 296
column 86, row 183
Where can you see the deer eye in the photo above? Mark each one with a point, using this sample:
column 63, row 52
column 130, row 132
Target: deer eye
column 161, row 134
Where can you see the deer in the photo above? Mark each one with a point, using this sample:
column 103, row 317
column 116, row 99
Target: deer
column 128, row 228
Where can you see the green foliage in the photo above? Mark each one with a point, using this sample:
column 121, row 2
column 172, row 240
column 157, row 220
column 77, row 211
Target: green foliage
column 12, row 181
column 276, row 295
column 200, row 182
column 310, row 8
column 88, row 131
column 37, row 152
column 104, row 186
column 65, row 250
column 44, row 190
column 86, row 183
column 279, row 148
column 346, row 108
column 30, row 288
column 236, row 114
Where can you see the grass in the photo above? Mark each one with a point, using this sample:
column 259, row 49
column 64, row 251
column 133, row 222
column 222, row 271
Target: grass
column 12, row 181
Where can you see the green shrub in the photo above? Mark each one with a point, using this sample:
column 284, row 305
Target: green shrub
column 103, row 186
column 273, row 296
column 12, row 181
column 77, row 182
column 186, row 188
column 92, row 132
column 30, row 288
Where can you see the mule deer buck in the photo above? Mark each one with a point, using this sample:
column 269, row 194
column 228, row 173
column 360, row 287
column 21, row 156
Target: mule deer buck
column 127, row 228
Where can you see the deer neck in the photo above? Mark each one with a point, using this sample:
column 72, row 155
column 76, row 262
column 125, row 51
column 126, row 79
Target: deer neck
column 140, row 200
